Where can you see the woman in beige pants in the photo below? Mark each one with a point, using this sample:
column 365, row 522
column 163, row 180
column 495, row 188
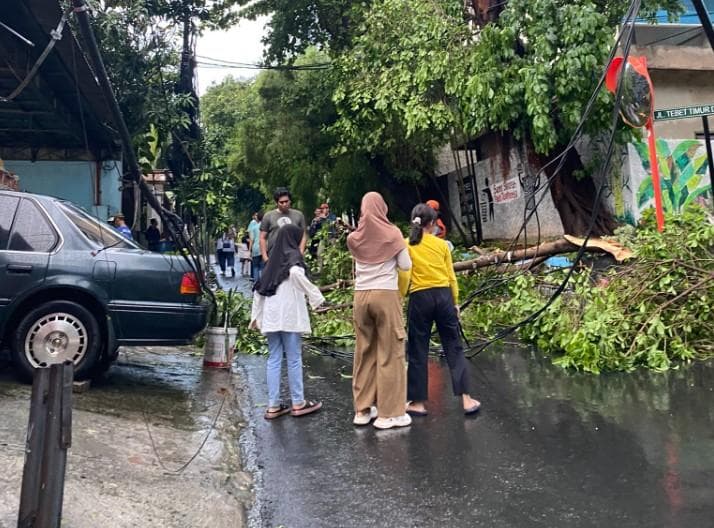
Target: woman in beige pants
column 378, row 375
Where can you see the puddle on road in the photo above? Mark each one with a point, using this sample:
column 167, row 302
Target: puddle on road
column 651, row 405
column 168, row 384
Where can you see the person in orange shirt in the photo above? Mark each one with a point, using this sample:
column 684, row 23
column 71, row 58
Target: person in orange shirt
column 439, row 227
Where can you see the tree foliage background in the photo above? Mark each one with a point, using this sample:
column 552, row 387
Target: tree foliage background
column 149, row 50
column 360, row 95
column 394, row 80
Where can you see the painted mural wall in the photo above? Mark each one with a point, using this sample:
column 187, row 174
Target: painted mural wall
column 502, row 200
column 72, row 180
column 684, row 175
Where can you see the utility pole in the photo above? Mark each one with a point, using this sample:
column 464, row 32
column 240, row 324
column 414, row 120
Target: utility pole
column 172, row 220
column 705, row 20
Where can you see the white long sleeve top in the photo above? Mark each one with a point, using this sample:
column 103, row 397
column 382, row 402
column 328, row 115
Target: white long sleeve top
column 381, row 276
column 286, row 311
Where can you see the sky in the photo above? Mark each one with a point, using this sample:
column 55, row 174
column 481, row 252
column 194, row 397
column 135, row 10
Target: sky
column 238, row 44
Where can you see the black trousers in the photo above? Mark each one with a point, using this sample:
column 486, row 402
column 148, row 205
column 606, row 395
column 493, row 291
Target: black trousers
column 434, row 305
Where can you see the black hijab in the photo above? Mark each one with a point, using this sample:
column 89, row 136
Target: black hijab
column 284, row 254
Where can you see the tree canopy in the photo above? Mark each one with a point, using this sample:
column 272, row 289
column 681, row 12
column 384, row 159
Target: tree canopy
column 142, row 42
column 405, row 77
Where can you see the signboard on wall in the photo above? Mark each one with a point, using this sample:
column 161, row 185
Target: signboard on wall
column 498, row 193
column 506, row 191
column 685, row 112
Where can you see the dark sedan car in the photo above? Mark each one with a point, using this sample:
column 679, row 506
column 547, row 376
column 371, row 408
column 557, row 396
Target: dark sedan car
column 73, row 288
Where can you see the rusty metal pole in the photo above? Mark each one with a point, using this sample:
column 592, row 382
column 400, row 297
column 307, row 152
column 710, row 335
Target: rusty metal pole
column 46, row 461
column 34, row 447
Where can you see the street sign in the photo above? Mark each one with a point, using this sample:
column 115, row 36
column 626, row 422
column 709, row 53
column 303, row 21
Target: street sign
column 684, row 113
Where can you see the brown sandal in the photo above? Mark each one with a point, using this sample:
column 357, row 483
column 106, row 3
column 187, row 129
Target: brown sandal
column 307, row 408
column 277, row 413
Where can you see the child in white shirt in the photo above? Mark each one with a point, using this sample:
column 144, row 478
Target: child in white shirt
column 280, row 313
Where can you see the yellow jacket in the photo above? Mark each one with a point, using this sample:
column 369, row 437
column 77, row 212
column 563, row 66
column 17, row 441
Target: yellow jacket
column 432, row 267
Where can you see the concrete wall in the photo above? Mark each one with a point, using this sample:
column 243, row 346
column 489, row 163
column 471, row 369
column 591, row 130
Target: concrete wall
column 676, row 89
column 72, row 180
column 505, row 198
column 502, row 196
column 500, row 199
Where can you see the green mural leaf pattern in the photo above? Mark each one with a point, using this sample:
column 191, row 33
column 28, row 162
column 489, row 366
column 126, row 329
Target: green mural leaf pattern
column 681, row 174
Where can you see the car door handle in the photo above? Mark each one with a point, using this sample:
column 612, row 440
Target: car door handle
column 19, row 268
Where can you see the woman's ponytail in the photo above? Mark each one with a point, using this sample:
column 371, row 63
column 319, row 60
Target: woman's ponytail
column 415, row 231
column 422, row 215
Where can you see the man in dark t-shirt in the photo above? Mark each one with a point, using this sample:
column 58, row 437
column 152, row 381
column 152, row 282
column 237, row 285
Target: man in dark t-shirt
column 277, row 218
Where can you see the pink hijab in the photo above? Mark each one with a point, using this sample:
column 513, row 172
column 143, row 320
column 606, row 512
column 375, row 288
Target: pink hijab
column 376, row 239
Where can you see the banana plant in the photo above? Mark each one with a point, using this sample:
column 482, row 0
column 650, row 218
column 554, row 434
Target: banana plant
column 682, row 174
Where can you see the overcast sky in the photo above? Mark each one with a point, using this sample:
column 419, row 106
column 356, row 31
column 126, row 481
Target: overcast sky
column 239, row 44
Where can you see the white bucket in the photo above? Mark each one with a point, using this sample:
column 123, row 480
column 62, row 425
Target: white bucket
column 218, row 351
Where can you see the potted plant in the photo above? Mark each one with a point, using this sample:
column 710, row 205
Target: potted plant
column 222, row 331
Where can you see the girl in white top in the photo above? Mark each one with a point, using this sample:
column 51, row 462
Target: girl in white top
column 378, row 374
column 280, row 312
column 244, row 256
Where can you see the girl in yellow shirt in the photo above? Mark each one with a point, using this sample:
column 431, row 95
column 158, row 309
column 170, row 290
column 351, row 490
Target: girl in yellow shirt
column 433, row 298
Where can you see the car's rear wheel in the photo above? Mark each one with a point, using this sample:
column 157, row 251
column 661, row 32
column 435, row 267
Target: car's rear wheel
column 55, row 332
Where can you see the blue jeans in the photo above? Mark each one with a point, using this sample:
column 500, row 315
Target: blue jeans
column 288, row 344
column 257, row 268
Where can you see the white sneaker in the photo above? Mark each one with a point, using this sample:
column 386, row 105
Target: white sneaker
column 396, row 421
column 365, row 418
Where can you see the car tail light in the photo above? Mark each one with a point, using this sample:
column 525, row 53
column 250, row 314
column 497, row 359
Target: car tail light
column 189, row 284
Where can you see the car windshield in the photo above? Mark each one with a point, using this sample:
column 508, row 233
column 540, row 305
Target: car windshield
column 94, row 229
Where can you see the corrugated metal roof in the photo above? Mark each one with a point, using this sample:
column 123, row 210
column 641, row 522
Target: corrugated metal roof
column 63, row 100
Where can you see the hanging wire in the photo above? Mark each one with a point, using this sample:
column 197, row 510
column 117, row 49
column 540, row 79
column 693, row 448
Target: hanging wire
column 55, row 36
column 632, row 13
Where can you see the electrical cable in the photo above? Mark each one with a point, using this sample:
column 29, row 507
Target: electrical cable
column 181, row 468
column 169, row 218
column 56, row 36
column 673, row 35
column 634, row 9
column 208, row 62
column 170, row 261
column 212, row 427
column 18, row 35
column 560, row 158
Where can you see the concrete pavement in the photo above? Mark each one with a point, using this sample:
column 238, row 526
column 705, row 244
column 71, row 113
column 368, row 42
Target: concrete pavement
column 115, row 478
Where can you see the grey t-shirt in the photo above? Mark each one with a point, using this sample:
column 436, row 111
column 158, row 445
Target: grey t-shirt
column 274, row 220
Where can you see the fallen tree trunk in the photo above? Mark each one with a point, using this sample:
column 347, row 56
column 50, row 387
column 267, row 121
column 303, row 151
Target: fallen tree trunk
column 535, row 255
column 545, row 249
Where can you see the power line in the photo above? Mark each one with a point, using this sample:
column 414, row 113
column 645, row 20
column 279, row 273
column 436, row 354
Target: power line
column 222, row 63
column 629, row 19
column 55, row 35
column 673, row 35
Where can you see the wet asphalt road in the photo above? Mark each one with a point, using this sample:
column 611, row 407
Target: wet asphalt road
column 550, row 448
